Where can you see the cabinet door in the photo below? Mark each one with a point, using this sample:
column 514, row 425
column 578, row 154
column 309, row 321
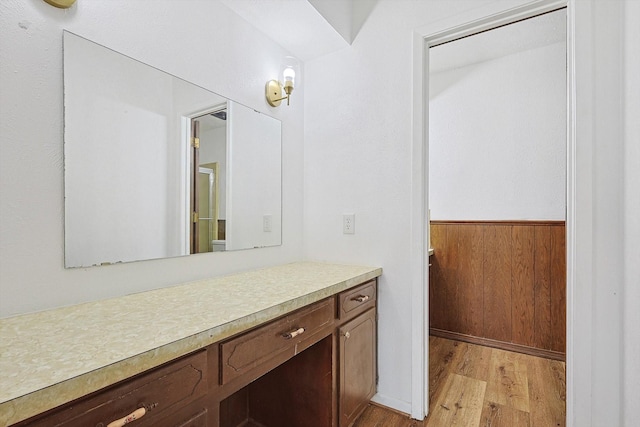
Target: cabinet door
column 357, row 366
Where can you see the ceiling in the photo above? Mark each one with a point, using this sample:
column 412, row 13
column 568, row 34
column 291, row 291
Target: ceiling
column 209, row 122
column 295, row 25
column 307, row 29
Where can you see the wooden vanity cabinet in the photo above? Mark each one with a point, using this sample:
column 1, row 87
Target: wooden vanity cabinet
column 314, row 367
column 172, row 395
column 357, row 300
column 299, row 392
column 329, row 374
column 358, row 369
column 284, row 337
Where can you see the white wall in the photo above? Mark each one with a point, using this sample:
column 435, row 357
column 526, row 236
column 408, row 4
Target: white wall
column 253, row 178
column 631, row 337
column 238, row 62
column 497, row 137
column 358, row 159
column 101, row 198
column 598, row 358
column 213, row 148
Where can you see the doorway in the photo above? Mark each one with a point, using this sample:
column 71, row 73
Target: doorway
column 497, row 168
column 472, row 22
column 207, row 188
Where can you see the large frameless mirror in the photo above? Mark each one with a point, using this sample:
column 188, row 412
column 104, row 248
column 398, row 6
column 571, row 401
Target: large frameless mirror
column 158, row 167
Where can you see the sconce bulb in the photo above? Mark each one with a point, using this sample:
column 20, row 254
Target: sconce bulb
column 289, row 75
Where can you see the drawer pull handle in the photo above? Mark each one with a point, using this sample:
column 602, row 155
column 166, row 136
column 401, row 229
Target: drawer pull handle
column 292, row 334
column 135, row 415
column 361, row 298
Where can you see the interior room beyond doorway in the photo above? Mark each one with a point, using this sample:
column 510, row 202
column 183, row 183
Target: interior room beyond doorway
column 497, row 192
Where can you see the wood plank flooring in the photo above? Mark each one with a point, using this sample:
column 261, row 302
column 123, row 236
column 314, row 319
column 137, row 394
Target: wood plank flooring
column 477, row 386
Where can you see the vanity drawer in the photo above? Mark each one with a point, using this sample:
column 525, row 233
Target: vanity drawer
column 192, row 418
column 161, row 392
column 247, row 351
column 357, row 300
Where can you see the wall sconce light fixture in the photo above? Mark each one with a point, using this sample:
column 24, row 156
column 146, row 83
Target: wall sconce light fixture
column 62, row 4
column 274, row 88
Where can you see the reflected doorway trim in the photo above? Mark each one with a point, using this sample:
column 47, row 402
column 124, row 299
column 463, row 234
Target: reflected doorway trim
column 194, row 200
column 481, row 19
column 187, row 163
column 211, row 171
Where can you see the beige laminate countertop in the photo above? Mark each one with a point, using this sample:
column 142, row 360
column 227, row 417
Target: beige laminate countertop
column 52, row 357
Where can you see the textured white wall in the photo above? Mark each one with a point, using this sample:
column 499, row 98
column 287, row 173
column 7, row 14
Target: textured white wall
column 631, row 335
column 253, row 165
column 213, row 148
column 236, row 62
column 358, row 160
column 497, row 137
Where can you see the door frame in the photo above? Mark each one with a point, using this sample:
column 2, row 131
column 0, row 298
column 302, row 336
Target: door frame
column 188, row 165
column 213, row 208
column 194, row 150
column 480, row 19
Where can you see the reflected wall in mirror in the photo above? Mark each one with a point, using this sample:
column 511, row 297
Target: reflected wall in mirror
column 136, row 185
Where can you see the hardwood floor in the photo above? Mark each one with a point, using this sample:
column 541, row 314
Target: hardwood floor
column 476, row 386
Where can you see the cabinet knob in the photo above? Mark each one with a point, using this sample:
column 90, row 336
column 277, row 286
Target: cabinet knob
column 135, row 415
column 347, row 335
column 292, row 334
column 361, row 298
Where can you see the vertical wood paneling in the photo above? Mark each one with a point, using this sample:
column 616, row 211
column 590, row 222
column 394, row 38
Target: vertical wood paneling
column 503, row 281
column 542, row 274
column 522, row 284
column 453, row 286
column 470, row 279
column 558, row 289
column 438, row 280
column 497, row 282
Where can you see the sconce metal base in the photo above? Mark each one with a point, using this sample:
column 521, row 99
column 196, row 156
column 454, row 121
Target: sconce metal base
column 62, row 4
column 274, row 93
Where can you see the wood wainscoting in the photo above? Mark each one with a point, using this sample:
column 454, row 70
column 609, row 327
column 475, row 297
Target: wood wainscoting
column 500, row 283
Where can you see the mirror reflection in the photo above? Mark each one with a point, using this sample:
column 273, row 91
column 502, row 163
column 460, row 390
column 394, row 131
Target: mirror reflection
column 209, row 195
column 158, row 167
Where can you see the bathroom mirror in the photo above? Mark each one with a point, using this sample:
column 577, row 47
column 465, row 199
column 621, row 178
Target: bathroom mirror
column 158, row 167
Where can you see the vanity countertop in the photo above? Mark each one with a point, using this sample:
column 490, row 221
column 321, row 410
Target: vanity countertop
column 55, row 356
